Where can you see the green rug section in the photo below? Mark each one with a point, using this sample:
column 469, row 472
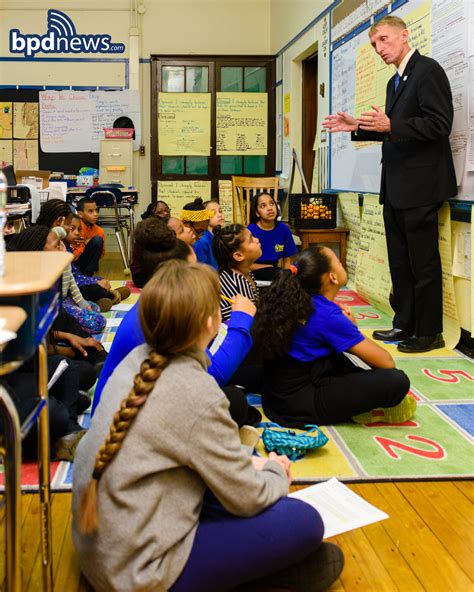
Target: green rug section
column 441, row 379
column 427, row 446
column 368, row 317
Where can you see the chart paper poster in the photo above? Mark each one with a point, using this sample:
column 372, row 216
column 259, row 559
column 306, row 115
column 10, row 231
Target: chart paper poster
column 225, row 200
column 451, row 326
column 25, row 155
column 178, row 193
column 6, row 151
column 349, row 204
column 25, row 121
column 6, row 120
column 184, row 124
column 373, row 281
column 241, row 123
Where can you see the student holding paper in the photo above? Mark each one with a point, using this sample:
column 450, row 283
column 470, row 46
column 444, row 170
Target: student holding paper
column 417, row 176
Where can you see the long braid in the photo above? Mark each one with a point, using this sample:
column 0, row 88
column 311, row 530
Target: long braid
column 143, row 384
column 225, row 242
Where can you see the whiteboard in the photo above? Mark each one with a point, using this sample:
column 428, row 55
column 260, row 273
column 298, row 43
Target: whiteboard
column 438, row 28
column 73, row 121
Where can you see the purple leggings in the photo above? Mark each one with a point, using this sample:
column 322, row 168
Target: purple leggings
column 229, row 550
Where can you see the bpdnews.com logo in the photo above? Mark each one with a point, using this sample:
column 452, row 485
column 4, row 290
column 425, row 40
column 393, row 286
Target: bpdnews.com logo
column 61, row 37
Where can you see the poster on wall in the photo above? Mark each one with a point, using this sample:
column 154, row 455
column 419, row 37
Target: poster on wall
column 241, row 123
column 6, row 120
column 25, row 121
column 184, row 124
column 178, row 193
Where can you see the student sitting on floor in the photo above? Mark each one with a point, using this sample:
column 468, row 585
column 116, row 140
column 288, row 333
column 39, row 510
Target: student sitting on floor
column 235, row 249
column 91, row 246
column 159, row 208
column 42, row 238
column 203, row 247
column 225, row 361
column 275, row 237
column 93, row 288
column 164, row 495
column 303, row 333
column 149, row 236
column 195, row 216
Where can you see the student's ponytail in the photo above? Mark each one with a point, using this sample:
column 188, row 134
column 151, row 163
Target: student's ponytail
column 143, row 384
column 287, row 303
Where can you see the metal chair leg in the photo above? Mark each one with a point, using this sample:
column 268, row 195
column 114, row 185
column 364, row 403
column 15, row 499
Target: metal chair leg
column 44, row 472
column 11, row 453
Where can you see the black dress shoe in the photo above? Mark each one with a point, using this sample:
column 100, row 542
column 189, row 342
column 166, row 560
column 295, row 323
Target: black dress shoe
column 391, row 335
column 415, row 345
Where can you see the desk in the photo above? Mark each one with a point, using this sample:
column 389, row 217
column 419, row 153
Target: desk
column 74, row 194
column 31, row 282
column 325, row 236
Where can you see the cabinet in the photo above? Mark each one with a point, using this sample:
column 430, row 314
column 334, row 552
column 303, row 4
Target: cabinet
column 116, row 159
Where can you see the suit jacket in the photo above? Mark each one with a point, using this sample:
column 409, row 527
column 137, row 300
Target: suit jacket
column 417, row 164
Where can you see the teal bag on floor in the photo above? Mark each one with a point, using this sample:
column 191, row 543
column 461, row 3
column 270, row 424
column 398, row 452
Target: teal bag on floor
column 293, row 445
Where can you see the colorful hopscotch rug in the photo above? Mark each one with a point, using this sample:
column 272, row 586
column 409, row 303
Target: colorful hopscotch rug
column 436, row 444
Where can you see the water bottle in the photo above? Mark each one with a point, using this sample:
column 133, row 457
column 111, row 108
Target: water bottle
column 3, row 219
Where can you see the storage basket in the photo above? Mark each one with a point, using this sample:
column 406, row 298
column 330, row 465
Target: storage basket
column 313, row 210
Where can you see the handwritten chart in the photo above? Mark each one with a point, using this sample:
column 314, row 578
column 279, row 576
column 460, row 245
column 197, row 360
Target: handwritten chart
column 373, row 275
column 225, row 200
column 349, row 204
column 184, row 124
column 241, row 123
column 178, row 193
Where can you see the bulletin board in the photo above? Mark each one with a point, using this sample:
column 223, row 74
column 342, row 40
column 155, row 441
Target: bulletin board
column 359, row 79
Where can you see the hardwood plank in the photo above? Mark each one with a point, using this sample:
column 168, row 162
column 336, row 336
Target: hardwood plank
column 466, row 488
column 30, row 540
column 68, row 573
column 435, row 569
column 399, row 569
column 440, row 505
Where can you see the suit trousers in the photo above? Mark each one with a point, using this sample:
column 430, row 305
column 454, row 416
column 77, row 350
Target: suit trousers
column 415, row 268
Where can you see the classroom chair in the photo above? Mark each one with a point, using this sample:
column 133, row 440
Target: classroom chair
column 121, row 218
column 243, row 190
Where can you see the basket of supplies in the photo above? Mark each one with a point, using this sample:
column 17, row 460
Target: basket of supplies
column 312, row 210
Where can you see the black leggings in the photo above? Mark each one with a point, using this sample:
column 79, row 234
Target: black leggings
column 327, row 391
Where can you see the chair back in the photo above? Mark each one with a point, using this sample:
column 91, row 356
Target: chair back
column 105, row 196
column 243, row 191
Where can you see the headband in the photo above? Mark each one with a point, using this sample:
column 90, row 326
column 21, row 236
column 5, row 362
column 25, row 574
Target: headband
column 195, row 215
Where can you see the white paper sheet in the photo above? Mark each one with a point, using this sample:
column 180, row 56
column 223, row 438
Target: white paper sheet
column 341, row 509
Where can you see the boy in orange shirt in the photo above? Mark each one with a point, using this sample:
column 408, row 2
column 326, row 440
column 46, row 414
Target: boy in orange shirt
column 91, row 246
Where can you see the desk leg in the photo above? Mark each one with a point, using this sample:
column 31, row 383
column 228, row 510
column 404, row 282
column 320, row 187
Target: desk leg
column 11, row 453
column 44, row 472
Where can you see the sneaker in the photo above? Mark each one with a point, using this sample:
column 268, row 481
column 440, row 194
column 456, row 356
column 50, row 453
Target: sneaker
column 314, row 574
column 124, row 292
column 65, row 447
column 398, row 414
column 105, row 304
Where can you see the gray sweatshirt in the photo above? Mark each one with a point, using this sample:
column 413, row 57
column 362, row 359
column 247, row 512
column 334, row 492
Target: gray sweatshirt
column 150, row 496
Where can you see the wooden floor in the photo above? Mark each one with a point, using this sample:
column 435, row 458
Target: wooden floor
column 426, row 544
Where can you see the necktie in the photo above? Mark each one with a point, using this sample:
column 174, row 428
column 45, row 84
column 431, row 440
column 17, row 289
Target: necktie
column 396, row 82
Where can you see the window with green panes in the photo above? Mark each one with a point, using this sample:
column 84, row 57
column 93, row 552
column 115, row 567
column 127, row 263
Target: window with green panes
column 243, row 79
column 182, row 79
column 210, row 75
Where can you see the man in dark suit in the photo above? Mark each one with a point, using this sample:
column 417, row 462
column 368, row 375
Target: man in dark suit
column 417, row 176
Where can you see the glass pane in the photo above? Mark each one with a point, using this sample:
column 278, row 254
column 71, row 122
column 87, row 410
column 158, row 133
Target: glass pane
column 172, row 79
column 196, row 79
column 196, row 165
column 231, row 165
column 254, row 165
column 172, row 165
column 231, row 79
column 255, row 79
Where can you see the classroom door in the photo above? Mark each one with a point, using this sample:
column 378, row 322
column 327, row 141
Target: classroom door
column 310, row 114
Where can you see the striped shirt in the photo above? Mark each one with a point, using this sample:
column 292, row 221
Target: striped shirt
column 232, row 283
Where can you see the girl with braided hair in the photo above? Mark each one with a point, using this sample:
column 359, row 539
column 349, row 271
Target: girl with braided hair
column 235, row 249
column 302, row 334
column 164, row 495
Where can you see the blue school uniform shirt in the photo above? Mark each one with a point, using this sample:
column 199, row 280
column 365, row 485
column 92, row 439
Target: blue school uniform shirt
column 275, row 243
column 327, row 331
column 223, row 363
column 203, row 250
